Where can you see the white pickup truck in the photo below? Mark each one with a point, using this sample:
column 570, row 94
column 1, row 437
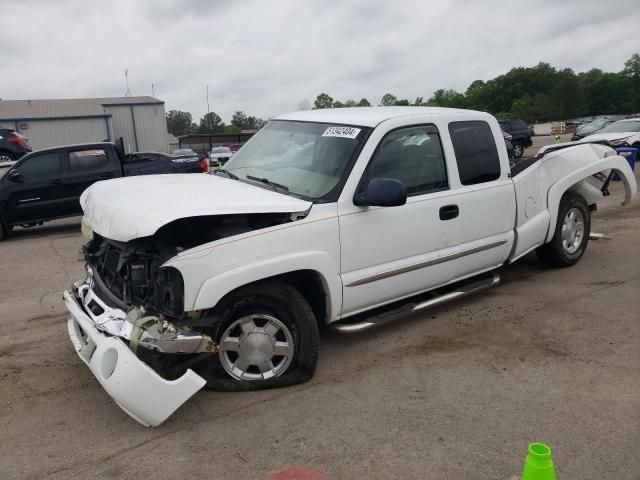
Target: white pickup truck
column 348, row 217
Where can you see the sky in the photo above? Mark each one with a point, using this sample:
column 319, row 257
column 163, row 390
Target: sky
column 267, row 57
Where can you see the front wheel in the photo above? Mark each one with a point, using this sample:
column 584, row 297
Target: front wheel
column 268, row 337
column 571, row 235
column 6, row 156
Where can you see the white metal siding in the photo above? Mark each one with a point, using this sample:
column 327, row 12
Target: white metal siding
column 54, row 133
column 122, row 126
column 151, row 127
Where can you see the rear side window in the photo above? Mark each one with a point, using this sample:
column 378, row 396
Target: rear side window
column 93, row 159
column 46, row 165
column 519, row 125
column 476, row 152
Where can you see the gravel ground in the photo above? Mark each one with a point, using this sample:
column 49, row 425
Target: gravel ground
column 458, row 392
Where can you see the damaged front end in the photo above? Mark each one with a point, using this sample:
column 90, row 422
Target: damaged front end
column 127, row 324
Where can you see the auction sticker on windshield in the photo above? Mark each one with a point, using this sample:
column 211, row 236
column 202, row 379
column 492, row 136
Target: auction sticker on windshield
column 344, row 132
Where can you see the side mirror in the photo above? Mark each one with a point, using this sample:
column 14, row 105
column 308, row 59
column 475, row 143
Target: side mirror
column 382, row 192
column 15, row 176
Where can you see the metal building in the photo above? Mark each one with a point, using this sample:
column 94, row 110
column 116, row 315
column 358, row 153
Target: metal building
column 140, row 121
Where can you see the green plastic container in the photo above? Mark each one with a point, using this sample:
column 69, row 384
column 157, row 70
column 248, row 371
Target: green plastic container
column 538, row 464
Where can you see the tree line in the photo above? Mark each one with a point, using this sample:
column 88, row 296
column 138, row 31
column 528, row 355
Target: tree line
column 181, row 123
column 534, row 94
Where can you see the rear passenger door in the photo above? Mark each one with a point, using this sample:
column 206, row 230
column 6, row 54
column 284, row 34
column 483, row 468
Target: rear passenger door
column 85, row 166
column 484, row 196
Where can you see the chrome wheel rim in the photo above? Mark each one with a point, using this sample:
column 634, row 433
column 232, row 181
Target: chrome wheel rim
column 256, row 347
column 572, row 230
column 517, row 150
column 5, row 158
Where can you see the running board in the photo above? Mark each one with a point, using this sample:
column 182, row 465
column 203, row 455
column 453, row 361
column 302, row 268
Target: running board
column 474, row 285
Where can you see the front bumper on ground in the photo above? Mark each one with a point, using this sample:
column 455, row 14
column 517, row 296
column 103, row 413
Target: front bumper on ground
column 133, row 385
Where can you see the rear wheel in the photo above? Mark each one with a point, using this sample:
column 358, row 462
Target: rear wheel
column 3, row 231
column 518, row 150
column 268, row 338
column 571, row 235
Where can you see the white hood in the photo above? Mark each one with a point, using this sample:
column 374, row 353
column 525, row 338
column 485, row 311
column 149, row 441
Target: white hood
column 126, row 208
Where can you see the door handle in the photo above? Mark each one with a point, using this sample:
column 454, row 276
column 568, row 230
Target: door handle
column 449, row 212
column 57, row 181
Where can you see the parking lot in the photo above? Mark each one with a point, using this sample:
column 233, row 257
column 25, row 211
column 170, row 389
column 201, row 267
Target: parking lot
column 456, row 392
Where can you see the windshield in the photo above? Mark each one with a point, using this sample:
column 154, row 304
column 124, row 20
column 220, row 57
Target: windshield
column 184, row 151
column 220, row 150
column 309, row 159
column 623, row 126
column 591, row 126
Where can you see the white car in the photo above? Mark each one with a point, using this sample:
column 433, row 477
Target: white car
column 219, row 156
column 342, row 217
column 621, row 133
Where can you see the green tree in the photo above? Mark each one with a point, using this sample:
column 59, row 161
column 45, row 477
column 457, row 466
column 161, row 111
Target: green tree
column 239, row 119
column 211, row 123
column 232, row 129
column 247, row 122
column 363, row 103
column 323, row 101
column 388, row 100
column 179, row 123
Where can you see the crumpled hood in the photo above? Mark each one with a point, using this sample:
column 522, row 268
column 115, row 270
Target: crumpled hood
column 132, row 207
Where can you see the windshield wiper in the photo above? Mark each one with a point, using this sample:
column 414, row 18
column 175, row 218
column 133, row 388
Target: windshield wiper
column 266, row 181
column 227, row 173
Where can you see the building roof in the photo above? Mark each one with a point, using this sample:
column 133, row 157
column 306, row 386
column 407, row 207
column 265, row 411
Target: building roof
column 67, row 107
column 368, row 116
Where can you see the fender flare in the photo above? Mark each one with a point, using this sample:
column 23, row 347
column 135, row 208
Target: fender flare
column 216, row 287
column 558, row 189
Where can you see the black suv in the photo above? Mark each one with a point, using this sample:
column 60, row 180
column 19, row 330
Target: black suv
column 520, row 133
column 12, row 145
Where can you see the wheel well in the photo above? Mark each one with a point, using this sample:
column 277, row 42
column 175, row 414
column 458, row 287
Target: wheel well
column 312, row 287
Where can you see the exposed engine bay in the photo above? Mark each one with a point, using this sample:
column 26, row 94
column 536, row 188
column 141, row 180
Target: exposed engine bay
column 129, row 274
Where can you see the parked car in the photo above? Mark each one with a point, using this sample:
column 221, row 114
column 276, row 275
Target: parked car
column 13, row 146
column 520, row 133
column 618, row 134
column 47, row 184
column 346, row 217
column 219, row 156
column 590, row 128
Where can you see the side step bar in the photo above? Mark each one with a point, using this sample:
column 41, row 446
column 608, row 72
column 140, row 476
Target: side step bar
column 474, row 285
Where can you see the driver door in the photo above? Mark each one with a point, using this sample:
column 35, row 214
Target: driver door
column 392, row 252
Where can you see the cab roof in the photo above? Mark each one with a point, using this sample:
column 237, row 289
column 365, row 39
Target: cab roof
column 372, row 116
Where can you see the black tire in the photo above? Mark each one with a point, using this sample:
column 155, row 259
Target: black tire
column 518, row 149
column 555, row 253
column 282, row 301
column 6, row 156
column 3, row 231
